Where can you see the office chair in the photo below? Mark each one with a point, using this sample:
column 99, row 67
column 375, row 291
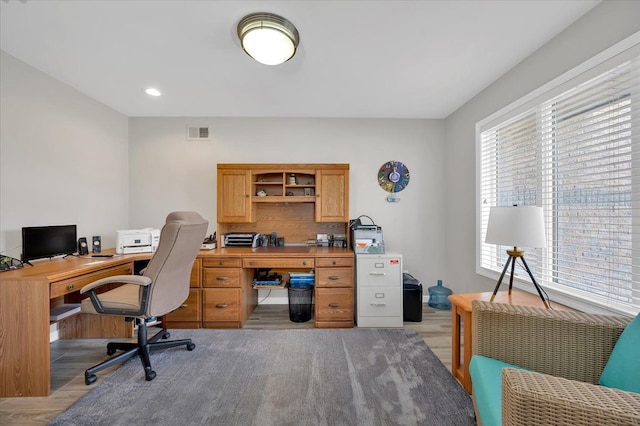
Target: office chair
column 162, row 288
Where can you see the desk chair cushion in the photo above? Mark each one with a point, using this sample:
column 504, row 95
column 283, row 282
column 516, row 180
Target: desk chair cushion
column 622, row 370
column 126, row 297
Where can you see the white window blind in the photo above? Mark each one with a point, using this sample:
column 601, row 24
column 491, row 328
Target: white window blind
column 577, row 154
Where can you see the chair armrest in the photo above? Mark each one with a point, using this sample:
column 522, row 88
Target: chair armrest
column 123, row 279
column 530, row 398
column 573, row 345
column 99, row 304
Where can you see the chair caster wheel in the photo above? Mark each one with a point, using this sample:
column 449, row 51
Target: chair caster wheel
column 90, row 379
column 110, row 349
column 149, row 374
column 166, row 335
column 191, row 346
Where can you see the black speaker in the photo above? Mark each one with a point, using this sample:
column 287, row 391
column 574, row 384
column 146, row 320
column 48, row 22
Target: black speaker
column 96, row 244
column 83, row 248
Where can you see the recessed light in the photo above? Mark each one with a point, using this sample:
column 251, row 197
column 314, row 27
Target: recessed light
column 152, row 91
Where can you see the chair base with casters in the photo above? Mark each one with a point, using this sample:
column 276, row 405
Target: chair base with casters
column 142, row 348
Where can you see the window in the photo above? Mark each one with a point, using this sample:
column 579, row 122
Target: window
column 575, row 151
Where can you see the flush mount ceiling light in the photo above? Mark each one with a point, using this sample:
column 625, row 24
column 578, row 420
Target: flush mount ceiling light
column 269, row 39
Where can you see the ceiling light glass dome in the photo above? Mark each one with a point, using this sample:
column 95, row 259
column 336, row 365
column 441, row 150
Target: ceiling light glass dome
column 269, row 39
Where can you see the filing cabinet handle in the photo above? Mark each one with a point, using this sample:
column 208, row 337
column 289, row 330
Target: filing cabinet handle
column 333, row 278
column 221, row 305
column 334, row 305
column 70, row 287
column 378, row 273
column 222, row 278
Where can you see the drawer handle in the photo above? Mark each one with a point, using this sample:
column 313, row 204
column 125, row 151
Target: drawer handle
column 334, row 278
column 382, row 274
column 184, row 305
column 221, row 305
column 70, row 287
column 334, row 262
column 222, row 278
column 304, row 263
column 220, row 263
column 250, row 263
column 334, row 305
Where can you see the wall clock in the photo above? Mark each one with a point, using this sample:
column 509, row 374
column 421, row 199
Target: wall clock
column 393, row 177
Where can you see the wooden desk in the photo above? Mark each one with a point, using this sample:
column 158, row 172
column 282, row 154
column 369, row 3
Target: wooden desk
column 461, row 313
column 26, row 296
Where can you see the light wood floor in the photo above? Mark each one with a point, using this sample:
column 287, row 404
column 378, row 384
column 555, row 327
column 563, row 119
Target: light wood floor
column 69, row 359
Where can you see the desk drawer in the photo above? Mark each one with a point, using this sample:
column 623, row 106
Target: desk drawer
column 190, row 309
column 332, row 262
column 221, row 304
column 63, row 287
column 334, row 277
column 222, row 262
column 221, row 277
column 275, row 263
column 334, row 304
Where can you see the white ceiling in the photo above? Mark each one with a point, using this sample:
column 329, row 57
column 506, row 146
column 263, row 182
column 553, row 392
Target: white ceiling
column 381, row 59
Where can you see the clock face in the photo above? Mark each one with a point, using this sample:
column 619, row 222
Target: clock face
column 393, row 176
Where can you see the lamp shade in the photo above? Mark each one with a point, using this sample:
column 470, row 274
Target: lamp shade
column 269, row 39
column 517, row 226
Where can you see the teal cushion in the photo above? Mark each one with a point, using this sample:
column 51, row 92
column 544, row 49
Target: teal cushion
column 486, row 376
column 623, row 368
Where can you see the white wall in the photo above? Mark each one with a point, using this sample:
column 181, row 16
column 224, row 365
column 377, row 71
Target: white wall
column 63, row 158
column 168, row 172
column 602, row 27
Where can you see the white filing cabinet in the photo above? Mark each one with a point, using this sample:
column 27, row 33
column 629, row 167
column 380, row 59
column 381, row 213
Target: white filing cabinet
column 379, row 290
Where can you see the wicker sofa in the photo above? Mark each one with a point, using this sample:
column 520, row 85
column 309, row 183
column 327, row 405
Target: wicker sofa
column 548, row 365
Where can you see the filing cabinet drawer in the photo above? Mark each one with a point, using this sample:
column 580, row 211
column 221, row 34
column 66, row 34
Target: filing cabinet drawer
column 379, row 271
column 221, row 304
column 190, row 309
column 333, row 262
column 334, row 304
column 379, row 301
column 334, row 277
column 61, row 288
column 222, row 262
column 221, row 277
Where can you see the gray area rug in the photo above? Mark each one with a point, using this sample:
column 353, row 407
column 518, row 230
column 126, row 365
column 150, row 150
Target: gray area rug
column 282, row 377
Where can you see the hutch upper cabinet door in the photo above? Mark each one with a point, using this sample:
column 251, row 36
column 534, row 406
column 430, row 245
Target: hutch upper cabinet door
column 234, row 198
column 332, row 193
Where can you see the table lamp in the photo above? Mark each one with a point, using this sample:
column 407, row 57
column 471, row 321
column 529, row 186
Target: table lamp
column 517, row 226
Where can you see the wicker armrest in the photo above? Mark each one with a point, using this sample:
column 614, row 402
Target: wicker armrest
column 530, row 398
column 573, row 345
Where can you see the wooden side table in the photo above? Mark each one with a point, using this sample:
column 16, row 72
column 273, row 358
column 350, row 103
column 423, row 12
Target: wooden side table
column 461, row 313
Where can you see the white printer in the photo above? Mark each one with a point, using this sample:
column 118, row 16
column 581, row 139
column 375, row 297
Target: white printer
column 137, row 240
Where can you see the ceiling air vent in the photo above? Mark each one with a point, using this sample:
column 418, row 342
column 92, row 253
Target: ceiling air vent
column 195, row 133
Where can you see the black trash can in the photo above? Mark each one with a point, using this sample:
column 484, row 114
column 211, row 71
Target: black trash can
column 411, row 298
column 300, row 301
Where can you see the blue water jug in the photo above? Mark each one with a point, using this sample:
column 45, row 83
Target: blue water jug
column 439, row 296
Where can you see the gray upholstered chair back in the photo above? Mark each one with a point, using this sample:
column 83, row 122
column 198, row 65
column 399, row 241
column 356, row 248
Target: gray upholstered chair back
column 170, row 267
